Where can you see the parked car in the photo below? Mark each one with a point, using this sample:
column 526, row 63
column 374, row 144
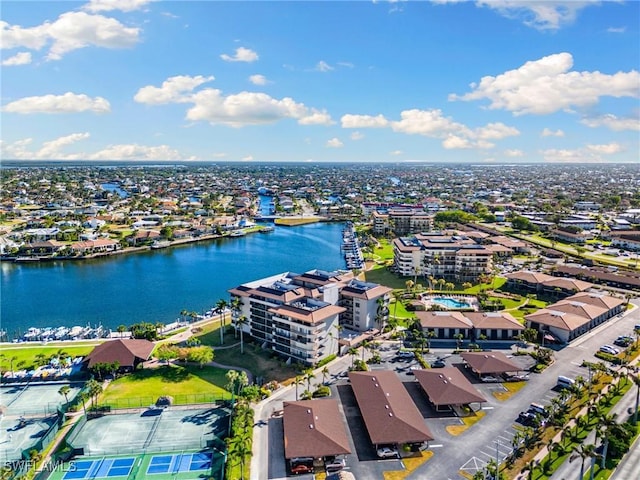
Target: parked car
column 489, row 379
column 609, row 349
column 405, row 354
column 387, row 452
column 301, row 468
column 623, row 341
column 334, row 464
column 439, row 363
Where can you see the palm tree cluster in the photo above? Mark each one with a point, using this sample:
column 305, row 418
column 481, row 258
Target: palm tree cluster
column 239, row 442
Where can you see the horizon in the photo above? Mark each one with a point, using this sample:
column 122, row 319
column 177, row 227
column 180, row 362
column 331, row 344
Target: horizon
column 464, row 82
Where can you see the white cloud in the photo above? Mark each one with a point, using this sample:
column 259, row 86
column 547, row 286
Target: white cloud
column 66, row 103
column 71, row 31
column 617, row 29
column 396, row 153
column 122, row 5
column 612, row 122
column 323, row 66
column 54, row 150
column 258, row 79
column 21, row 58
column 355, row 136
column 248, row 158
column 546, row 86
column 513, row 153
column 316, row 118
column 607, row 149
column 546, row 132
column 242, row 55
column 236, row 110
column 363, row 121
column 346, row 64
column 334, row 143
column 173, row 90
column 542, row 15
column 589, row 153
column 249, row 108
column 431, row 123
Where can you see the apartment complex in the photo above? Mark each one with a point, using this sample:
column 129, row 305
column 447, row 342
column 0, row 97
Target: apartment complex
column 297, row 315
column 448, row 255
column 401, row 221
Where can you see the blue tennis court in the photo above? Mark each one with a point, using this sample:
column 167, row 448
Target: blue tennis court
column 188, row 462
column 104, row 468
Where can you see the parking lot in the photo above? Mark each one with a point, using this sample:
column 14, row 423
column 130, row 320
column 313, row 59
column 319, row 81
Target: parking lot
column 490, row 438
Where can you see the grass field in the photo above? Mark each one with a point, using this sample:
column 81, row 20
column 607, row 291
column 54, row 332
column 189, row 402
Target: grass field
column 172, row 380
column 27, row 357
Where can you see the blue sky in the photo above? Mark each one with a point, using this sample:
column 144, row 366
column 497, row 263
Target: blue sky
column 514, row 81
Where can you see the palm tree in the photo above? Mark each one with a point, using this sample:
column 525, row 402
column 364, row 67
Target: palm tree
column 409, row 284
column 584, row 451
column 11, row 360
column 64, row 391
column 325, row 374
column 605, row 423
column 121, row 329
column 529, row 467
column 308, row 376
column 458, row 337
column 397, row 295
column 354, row 353
column 242, row 320
column 297, row 381
column 221, row 305
column 236, row 306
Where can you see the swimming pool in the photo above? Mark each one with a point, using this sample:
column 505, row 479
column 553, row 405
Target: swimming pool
column 451, row 303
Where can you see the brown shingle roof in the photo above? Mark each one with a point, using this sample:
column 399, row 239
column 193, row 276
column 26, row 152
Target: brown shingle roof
column 124, row 351
column 581, row 309
column 448, row 386
column 554, row 318
column 388, row 411
column 484, row 363
column 598, row 299
column 567, row 284
column 529, row 277
column 314, row 428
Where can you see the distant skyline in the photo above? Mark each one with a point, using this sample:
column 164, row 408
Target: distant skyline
column 493, row 81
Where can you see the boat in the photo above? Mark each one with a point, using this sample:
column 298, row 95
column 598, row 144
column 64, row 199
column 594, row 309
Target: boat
column 237, row 233
column 160, row 244
column 267, row 229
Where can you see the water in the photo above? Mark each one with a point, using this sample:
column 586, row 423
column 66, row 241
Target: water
column 450, row 303
column 115, row 188
column 156, row 286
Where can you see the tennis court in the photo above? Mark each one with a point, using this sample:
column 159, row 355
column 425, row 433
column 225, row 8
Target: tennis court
column 151, row 431
column 35, row 399
column 103, row 468
column 17, row 435
column 191, row 462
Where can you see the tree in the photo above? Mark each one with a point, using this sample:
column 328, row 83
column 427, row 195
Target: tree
column 236, row 307
column 166, row 353
column 221, row 306
column 354, row 353
column 236, row 381
column 584, row 451
column 308, row 376
column 297, row 381
column 325, row 374
column 144, row 330
column 94, row 388
column 467, row 285
column 242, row 320
column 121, row 329
column 64, row 391
column 605, row 426
column 201, row 355
column 458, row 337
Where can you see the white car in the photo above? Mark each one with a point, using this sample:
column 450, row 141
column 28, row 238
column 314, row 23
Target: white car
column 609, row 349
column 387, row 452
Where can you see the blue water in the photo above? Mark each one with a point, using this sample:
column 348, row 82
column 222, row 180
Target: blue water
column 450, row 303
column 115, row 188
column 156, row 286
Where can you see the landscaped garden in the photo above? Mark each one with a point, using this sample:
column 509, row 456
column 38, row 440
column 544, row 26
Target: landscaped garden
column 30, row 357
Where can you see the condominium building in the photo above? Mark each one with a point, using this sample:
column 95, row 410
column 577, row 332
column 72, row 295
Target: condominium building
column 448, row 255
column 297, row 315
column 401, row 221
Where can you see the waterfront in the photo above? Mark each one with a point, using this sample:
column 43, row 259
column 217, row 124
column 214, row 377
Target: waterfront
column 156, row 286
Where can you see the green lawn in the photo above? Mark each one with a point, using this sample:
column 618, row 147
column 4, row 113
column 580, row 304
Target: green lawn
column 186, row 384
column 383, row 276
column 25, row 357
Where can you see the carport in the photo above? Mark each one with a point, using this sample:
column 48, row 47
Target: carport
column 314, row 429
column 448, row 388
column 489, row 363
column 389, row 414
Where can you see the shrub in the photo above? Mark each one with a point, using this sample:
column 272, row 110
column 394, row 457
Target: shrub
column 608, row 357
column 322, row 391
column 326, row 360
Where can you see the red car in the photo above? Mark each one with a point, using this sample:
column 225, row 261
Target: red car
column 301, row 468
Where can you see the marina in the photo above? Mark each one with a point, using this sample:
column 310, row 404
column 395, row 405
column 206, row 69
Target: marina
column 351, row 248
